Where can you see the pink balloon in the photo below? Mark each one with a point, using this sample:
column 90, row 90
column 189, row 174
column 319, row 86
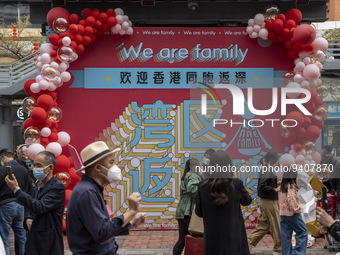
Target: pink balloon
column 287, row 159
column 43, row 84
column 263, row 33
column 293, row 85
column 311, row 72
column 320, row 43
column 300, row 66
column 35, row 87
column 45, row 58
column 316, row 157
column 65, row 76
column 54, row 148
column 63, row 138
column 34, row 149
column 46, row 48
column 259, row 19
column 251, row 22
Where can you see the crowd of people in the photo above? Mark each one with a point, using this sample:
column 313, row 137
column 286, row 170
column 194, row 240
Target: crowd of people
column 32, row 204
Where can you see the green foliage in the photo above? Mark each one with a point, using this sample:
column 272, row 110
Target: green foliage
column 23, row 46
column 332, row 34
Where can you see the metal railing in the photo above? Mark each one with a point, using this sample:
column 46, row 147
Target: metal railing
column 333, row 51
column 12, row 73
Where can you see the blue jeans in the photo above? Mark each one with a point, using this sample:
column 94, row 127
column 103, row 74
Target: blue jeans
column 289, row 224
column 12, row 215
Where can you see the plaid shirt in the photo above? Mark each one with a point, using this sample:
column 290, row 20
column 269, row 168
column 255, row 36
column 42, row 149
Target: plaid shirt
column 89, row 227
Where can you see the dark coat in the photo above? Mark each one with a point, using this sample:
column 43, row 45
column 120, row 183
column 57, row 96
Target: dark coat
column 224, row 230
column 46, row 207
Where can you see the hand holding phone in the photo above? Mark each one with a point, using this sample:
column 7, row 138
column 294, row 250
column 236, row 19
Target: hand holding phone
column 9, row 172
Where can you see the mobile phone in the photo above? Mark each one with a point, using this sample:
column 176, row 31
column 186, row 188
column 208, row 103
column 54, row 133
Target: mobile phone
column 9, row 172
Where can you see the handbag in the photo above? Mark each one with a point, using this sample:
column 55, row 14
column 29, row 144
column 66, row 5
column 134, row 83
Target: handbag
column 196, row 227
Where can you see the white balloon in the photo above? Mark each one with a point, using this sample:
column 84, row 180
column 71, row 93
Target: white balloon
column 44, row 84
column 63, row 138
column 65, row 76
column 129, row 31
column 251, row 22
column 297, row 60
column 39, row 78
column 52, row 87
column 35, row 87
column 293, row 85
column 125, row 25
column 34, row 149
column 254, row 35
column 45, row 132
column 250, row 29
column 125, row 17
column 305, row 84
column 39, row 65
column 300, row 66
column 263, row 33
column 55, row 65
column 259, row 19
column 257, row 28
column 122, row 32
column 45, row 58
column 298, row 78
column 119, row 11
column 303, row 54
column 307, row 60
column 66, row 41
column 54, row 148
column 62, row 67
column 119, row 19
column 46, row 48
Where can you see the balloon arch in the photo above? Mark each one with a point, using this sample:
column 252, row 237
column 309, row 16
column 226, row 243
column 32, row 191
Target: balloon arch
column 72, row 35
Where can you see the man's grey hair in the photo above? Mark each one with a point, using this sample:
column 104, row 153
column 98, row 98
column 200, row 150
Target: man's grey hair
column 49, row 157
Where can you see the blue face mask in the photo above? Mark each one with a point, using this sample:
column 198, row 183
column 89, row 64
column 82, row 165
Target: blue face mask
column 39, row 173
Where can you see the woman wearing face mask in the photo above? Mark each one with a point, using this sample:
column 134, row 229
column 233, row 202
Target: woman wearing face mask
column 87, row 215
column 269, row 218
column 189, row 184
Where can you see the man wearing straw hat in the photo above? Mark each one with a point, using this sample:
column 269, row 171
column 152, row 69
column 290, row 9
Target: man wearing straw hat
column 89, row 227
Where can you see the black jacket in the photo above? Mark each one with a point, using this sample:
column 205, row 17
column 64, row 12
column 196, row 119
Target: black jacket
column 266, row 185
column 334, row 230
column 224, row 230
column 46, row 207
column 22, row 176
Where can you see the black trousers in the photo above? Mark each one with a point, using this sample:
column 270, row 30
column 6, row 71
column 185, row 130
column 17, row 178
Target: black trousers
column 183, row 225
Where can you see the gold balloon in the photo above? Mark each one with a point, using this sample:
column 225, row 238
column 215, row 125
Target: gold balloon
column 22, row 152
column 270, row 12
column 323, row 174
column 28, row 104
column 309, row 147
column 32, row 135
column 63, row 177
column 55, row 114
column 321, row 113
column 288, row 77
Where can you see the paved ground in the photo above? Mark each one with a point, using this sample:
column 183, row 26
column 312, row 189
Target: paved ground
column 161, row 243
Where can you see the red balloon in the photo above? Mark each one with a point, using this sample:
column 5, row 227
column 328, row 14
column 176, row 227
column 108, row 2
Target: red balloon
column 278, row 24
column 291, row 33
column 54, row 125
column 53, row 53
column 45, row 102
column 295, row 15
column 80, row 49
column 82, row 22
column 312, row 132
column 55, row 13
column 293, row 54
column 100, row 32
column 106, row 27
column 62, row 163
column 306, row 123
column 63, row 225
column 71, row 162
column 272, row 36
column 309, row 48
column 93, row 38
column 73, row 18
column 98, row 24
column 73, row 28
column 53, row 94
column 81, row 29
column 111, row 12
column 298, row 48
column 44, row 141
column 289, row 45
column 74, row 44
column 86, row 40
column 75, row 178
column 38, row 114
column 304, row 34
column 297, row 147
column 86, row 12
column 269, row 25
column 111, row 21
column 95, row 13
column 103, row 16
column 29, row 123
column 281, row 17
column 296, row 115
column 78, row 39
column 47, row 123
column 300, row 131
column 317, row 122
column 88, row 30
column 314, row 94
column 27, row 86
column 54, row 38
column 67, row 195
column 285, row 32
column 53, row 137
column 290, row 24
column 90, row 21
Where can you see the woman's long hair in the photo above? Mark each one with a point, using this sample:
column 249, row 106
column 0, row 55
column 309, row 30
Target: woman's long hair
column 289, row 178
column 220, row 187
column 190, row 165
column 268, row 160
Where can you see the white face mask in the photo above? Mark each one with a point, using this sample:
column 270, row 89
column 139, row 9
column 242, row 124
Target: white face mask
column 2, row 163
column 114, row 173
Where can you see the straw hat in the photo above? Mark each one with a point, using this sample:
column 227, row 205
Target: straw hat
column 95, row 152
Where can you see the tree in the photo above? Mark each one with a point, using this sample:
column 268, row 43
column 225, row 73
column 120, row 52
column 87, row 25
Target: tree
column 332, row 34
column 23, row 46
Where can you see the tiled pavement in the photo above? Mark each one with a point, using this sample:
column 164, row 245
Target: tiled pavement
column 161, row 243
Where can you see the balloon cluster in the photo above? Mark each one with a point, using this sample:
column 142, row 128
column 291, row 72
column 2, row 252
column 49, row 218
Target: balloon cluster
column 307, row 48
column 71, row 37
